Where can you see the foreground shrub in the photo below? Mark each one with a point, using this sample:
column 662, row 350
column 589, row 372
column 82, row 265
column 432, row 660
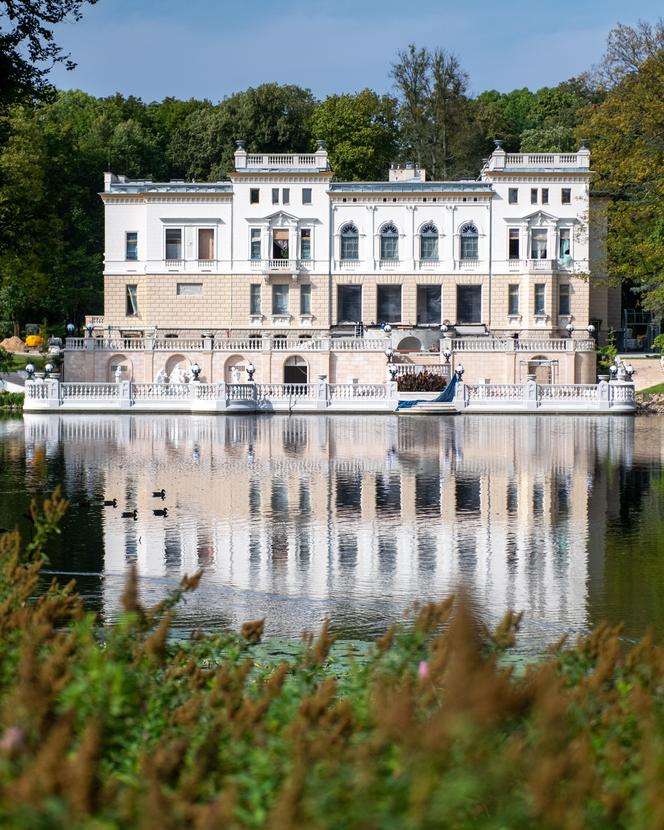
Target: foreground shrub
column 422, row 382
column 11, row 400
column 123, row 728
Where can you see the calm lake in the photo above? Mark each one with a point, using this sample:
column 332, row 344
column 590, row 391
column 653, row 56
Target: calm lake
column 355, row 517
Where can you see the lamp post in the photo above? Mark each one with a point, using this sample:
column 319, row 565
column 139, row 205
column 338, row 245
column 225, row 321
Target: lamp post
column 447, row 354
column 591, row 330
column 444, row 328
column 629, row 371
column 459, row 372
column 392, row 369
column 30, row 369
column 387, row 328
column 89, row 328
column 251, row 370
column 71, row 328
column 570, row 329
column 613, row 371
column 195, row 371
column 48, row 369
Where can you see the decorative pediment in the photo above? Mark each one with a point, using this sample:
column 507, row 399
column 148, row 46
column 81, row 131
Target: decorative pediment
column 539, row 219
column 279, row 219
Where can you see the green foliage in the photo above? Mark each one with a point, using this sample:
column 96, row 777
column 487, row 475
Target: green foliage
column 123, row 727
column 606, row 354
column 658, row 343
column 6, row 360
column 361, row 134
column 11, row 400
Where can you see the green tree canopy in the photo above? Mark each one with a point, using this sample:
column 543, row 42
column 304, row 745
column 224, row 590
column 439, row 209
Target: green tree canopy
column 361, row 133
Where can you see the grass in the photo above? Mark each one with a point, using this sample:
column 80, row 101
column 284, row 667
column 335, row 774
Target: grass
column 20, row 361
column 657, row 389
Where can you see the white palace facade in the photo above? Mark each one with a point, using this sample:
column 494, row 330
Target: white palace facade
column 303, row 276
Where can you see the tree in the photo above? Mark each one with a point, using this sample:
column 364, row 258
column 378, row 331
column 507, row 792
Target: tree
column 627, row 48
column 548, row 140
column 27, row 46
column 361, row 133
column 627, row 139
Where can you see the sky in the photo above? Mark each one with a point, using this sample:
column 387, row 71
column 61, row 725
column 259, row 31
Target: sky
column 212, row 48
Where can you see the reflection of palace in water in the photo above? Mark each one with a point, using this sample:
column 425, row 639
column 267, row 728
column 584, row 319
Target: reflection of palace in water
column 352, row 515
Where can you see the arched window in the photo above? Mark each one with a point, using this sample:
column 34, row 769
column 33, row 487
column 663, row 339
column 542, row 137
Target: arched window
column 389, row 242
column 469, row 237
column 429, row 243
column 349, row 240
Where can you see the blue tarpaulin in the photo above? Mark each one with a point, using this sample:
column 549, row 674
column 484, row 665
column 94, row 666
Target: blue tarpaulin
column 446, row 396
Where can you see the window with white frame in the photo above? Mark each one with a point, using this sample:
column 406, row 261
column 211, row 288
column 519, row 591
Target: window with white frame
column 513, row 195
column 173, row 243
column 469, row 303
column 389, row 242
column 206, row 244
column 545, row 195
column 131, row 245
column 131, row 297
column 533, row 195
column 513, row 299
column 305, row 298
column 540, row 289
column 255, row 243
column 254, row 195
column 189, row 289
column 468, row 242
column 280, row 299
column 255, row 299
column 564, row 244
column 513, row 243
column 429, row 243
column 566, row 195
column 275, row 195
column 564, row 298
column 388, row 303
column 538, row 243
column 305, row 243
column 306, row 195
column 285, row 196
column 349, row 239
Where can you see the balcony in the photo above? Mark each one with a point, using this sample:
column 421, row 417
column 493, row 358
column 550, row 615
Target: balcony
column 280, row 267
column 530, row 266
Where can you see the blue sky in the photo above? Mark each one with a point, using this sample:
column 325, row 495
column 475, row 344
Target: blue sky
column 211, row 48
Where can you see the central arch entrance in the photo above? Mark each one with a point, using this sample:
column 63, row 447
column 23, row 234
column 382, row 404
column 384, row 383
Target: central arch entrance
column 296, row 370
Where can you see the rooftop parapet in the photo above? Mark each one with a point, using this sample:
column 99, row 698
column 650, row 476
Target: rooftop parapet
column 502, row 161
column 255, row 162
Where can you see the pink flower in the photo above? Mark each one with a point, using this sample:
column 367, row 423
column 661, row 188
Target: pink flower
column 423, row 670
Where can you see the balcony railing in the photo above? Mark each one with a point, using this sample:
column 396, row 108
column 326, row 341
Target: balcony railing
column 281, row 160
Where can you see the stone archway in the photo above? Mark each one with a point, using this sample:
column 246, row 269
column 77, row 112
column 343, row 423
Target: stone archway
column 410, row 344
column 542, row 368
column 121, row 362
column 296, row 370
column 178, row 369
column 235, row 369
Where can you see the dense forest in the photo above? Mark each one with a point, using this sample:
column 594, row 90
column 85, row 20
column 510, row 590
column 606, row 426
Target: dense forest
column 55, row 145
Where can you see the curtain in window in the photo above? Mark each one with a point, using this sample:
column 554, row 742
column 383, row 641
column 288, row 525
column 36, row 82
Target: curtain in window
column 469, row 242
column 389, row 303
column 349, row 242
column 428, row 304
column 469, row 303
column 205, row 243
column 255, row 299
column 349, row 303
column 305, row 299
column 305, row 244
column 564, row 243
column 389, row 242
column 539, row 299
column 538, row 244
column 280, row 299
column 429, row 243
column 255, row 243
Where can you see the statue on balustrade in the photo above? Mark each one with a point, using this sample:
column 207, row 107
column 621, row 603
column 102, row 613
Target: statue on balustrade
column 161, row 377
column 179, row 375
column 235, row 374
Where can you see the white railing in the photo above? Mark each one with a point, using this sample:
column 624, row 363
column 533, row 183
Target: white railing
column 468, row 264
column 119, row 344
column 75, row 343
column 290, row 344
column 169, row 344
column 358, row 344
column 241, row 391
column 348, row 264
column 36, row 391
column 442, row 369
column 239, row 344
column 161, row 391
column 174, row 263
column 354, row 391
column 494, row 391
column 281, row 391
column 566, row 391
column 280, row 264
column 89, row 391
column 281, row 160
column 542, row 159
column 532, row 397
column 94, row 319
column 496, row 344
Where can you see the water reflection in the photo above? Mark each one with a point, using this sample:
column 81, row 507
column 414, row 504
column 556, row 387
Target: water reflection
column 300, row 517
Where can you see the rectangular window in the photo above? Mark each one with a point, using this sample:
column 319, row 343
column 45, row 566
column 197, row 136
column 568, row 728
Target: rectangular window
column 256, row 243
column 205, row 243
column 429, row 247
column 564, row 298
column 389, row 303
column 513, row 195
column 533, row 195
column 349, row 304
column 513, row 242
column 285, row 196
column 254, row 195
column 255, row 299
column 131, row 245
column 513, row 299
column 428, row 304
column 132, row 301
column 173, row 243
column 305, row 243
column 566, row 195
column 275, row 195
column 280, row 299
column 305, row 298
column 564, row 244
column 306, row 195
column 189, row 289
column 469, row 303
column 545, row 195
column 538, row 243
column 539, row 298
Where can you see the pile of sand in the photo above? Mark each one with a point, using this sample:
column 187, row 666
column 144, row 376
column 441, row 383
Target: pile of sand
column 12, row 344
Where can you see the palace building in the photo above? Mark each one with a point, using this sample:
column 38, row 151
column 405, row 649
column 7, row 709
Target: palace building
column 303, row 276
